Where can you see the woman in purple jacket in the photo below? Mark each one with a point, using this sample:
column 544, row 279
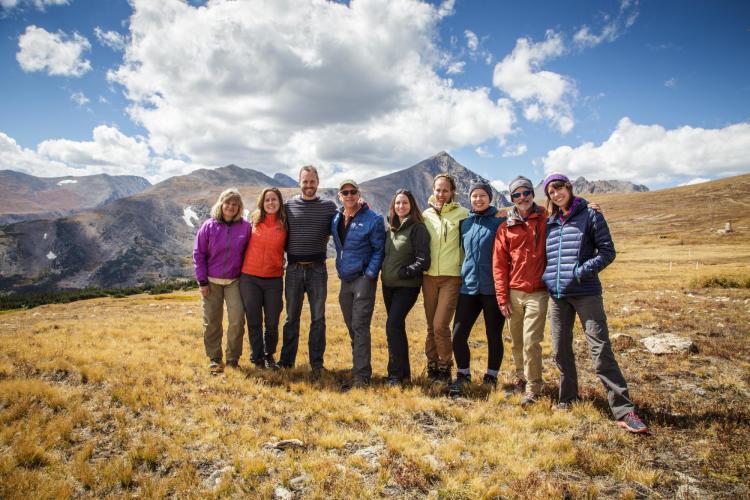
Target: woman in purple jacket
column 218, row 254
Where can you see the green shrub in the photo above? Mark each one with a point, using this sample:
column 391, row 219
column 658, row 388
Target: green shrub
column 721, row 282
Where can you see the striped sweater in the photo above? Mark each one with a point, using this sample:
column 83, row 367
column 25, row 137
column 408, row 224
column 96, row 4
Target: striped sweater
column 309, row 224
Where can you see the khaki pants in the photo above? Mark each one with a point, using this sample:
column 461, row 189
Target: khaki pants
column 440, row 295
column 213, row 313
column 526, row 325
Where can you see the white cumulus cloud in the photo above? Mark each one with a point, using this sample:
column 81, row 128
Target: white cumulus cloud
column 285, row 83
column 671, row 83
column 515, row 150
column 612, row 29
column 38, row 4
column 57, row 53
column 543, row 94
column 111, row 39
column 110, row 151
column 652, row 154
column 697, row 180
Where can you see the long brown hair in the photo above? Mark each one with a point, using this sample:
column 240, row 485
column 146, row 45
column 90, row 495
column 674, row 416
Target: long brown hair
column 551, row 207
column 259, row 215
column 414, row 213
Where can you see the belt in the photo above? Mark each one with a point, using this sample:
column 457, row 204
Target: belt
column 306, row 265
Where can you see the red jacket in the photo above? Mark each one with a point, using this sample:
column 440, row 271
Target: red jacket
column 265, row 252
column 519, row 256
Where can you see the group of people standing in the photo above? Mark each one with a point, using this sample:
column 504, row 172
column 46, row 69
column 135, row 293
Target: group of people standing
column 464, row 261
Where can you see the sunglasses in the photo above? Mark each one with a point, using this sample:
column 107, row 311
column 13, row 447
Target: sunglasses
column 348, row 192
column 515, row 196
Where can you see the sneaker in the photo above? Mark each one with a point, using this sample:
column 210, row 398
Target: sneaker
column 633, row 423
column 519, row 384
column 272, row 365
column 456, row 388
column 489, row 381
column 529, row 398
column 216, row 367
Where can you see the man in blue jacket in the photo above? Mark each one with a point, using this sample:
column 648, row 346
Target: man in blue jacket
column 359, row 237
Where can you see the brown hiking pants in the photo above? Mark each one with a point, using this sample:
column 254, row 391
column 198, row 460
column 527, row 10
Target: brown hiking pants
column 440, row 295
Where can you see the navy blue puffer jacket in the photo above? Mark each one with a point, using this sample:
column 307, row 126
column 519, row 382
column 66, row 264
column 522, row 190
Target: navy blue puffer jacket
column 577, row 250
column 364, row 247
column 478, row 240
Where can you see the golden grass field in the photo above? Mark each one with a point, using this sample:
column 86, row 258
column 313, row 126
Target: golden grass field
column 112, row 397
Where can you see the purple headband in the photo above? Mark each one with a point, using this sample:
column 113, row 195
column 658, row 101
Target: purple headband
column 552, row 178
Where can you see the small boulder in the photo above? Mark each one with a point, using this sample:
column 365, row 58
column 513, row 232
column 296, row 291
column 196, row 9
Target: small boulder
column 281, row 493
column 214, row 480
column 297, row 483
column 668, row 343
column 284, row 444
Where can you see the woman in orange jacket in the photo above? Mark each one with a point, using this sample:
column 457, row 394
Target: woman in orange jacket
column 261, row 282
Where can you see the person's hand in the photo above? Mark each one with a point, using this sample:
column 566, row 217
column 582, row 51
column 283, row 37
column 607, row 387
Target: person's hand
column 205, row 290
column 505, row 309
column 596, row 207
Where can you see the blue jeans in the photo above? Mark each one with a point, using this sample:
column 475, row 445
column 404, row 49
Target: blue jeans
column 313, row 280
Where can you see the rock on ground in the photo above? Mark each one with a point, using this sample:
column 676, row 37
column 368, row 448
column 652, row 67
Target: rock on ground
column 668, row 343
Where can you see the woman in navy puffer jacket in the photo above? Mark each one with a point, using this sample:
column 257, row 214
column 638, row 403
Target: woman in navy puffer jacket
column 579, row 246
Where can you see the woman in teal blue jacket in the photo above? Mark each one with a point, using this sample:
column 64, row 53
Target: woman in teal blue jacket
column 478, row 289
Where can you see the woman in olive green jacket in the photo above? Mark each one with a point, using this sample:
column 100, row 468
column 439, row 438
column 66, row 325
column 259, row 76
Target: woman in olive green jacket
column 407, row 256
column 442, row 281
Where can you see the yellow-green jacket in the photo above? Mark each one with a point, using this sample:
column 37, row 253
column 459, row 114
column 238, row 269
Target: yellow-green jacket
column 446, row 253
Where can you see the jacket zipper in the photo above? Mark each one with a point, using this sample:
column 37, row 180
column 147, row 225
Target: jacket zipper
column 559, row 253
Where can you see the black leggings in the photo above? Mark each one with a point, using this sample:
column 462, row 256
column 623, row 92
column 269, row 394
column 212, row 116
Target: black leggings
column 467, row 312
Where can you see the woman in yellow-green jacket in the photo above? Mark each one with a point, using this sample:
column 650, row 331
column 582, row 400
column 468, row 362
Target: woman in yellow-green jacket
column 442, row 281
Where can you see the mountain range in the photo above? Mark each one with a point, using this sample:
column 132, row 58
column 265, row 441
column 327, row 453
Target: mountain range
column 148, row 236
column 25, row 197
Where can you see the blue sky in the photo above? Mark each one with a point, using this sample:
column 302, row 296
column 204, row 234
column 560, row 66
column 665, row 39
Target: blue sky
column 656, row 92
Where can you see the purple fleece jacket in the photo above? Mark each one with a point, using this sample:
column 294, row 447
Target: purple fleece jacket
column 220, row 249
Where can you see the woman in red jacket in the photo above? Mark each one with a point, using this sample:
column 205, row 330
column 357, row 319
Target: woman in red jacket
column 261, row 282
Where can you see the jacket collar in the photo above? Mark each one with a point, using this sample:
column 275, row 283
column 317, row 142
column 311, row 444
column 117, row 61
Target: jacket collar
column 514, row 217
column 446, row 207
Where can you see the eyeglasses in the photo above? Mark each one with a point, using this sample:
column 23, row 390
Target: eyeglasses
column 515, row 196
column 347, row 192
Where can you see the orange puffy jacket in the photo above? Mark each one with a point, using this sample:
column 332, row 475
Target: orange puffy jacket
column 519, row 256
column 264, row 256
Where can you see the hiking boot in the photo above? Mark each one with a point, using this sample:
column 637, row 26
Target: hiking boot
column 355, row 383
column 432, row 372
column 519, row 384
column 271, row 364
column 529, row 398
column 316, row 373
column 393, row 381
column 489, row 381
column 563, row 406
column 457, row 388
column 233, row 365
column 633, row 423
column 216, row 367
column 259, row 365
column 443, row 375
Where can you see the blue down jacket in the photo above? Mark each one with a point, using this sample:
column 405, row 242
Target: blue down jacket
column 478, row 232
column 364, row 246
column 577, row 250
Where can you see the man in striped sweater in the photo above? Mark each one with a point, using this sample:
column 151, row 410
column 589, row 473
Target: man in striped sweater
column 309, row 220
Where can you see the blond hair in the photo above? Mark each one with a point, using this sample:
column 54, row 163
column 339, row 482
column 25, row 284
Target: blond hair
column 226, row 195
